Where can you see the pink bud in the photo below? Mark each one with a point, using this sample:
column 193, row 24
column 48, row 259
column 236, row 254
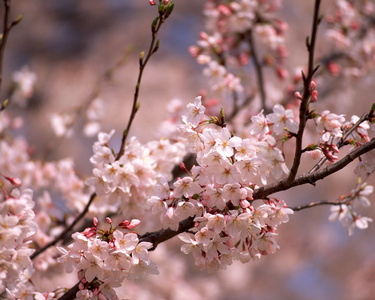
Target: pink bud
column 281, row 26
column 133, row 223
column 95, row 221
column 203, row 36
column 109, row 220
column 194, row 51
column 152, row 2
column 224, row 10
column 312, row 85
column 124, row 223
column 14, row 180
column 282, row 73
column 89, row 232
column 166, row 2
column 314, row 96
column 183, row 167
column 330, row 19
column 298, row 95
column 334, row 69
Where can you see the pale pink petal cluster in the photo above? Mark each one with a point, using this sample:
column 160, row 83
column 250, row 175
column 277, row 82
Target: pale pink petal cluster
column 347, row 213
column 125, row 184
column 17, row 226
column 218, row 194
column 105, row 258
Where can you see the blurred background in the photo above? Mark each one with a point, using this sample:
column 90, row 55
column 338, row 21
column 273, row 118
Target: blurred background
column 71, row 44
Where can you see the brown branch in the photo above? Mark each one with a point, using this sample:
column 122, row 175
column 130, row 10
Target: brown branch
column 306, row 96
column 6, row 29
column 311, row 178
column 341, row 143
column 71, row 293
column 154, row 46
column 163, row 235
column 313, row 204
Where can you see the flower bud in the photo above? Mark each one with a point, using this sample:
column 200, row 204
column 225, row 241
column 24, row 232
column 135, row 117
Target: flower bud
column 14, row 180
column 314, row 96
column 183, row 167
column 298, row 95
column 312, row 85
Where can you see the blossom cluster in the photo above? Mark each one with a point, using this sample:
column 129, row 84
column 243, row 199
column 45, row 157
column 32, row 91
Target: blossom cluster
column 346, row 212
column 227, row 44
column 217, row 192
column 17, row 226
column 123, row 185
column 352, row 36
column 105, row 258
column 62, row 123
column 23, row 86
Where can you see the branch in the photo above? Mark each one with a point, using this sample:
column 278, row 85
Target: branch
column 163, row 15
column 306, row 95
column 67, row 230
column 4, row 38
column 311, row 178
column 341, row 143
column 163, row 235
column 71, row 293
column 94, row 94
column 313, row 204
column 154, row 46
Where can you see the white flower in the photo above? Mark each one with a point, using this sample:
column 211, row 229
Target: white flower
column 225, row 143
column 125, row 242
column 282, row 119
column 191, row 246
column 194, row 112
column 61, row 124
column 259, row 126
column 186, row 187
column 215, row 222
column 359, row 222
column 162, row 188
column 140, row 252
column 92, row 267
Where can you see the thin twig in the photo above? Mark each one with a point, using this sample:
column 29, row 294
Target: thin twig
column 311, row 178
column 94, row 94
column 142, row 64
column 66, row 230
column 313, row 204
column 341, row 143
column 163, row 235
column 4, row 38
column 306, row 96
